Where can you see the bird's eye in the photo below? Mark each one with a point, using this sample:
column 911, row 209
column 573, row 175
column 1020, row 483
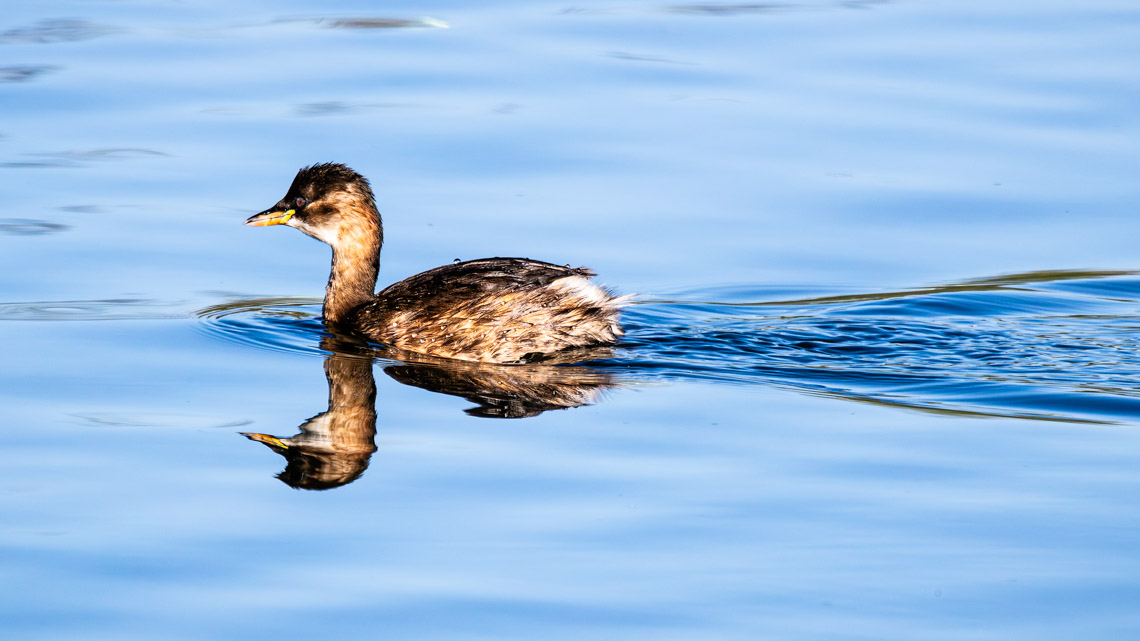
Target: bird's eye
column 300, row 202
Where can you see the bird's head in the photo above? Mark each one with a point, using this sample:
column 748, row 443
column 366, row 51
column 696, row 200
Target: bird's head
column 327, row 201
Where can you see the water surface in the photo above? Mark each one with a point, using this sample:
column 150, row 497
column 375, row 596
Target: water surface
column 879, row 380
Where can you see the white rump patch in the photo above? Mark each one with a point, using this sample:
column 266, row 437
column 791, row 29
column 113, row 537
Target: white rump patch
column 581, row 287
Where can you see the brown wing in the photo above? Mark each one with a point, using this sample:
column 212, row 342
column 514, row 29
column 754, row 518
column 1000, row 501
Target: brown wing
column 448, row 286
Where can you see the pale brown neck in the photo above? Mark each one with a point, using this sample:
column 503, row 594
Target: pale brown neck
column 352, row 281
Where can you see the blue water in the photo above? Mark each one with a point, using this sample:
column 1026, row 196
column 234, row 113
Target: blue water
column 879, row 380
column 1048, row 345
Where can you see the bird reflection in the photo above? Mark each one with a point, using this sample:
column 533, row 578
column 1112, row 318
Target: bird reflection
column 511, row 391
column 333, row 448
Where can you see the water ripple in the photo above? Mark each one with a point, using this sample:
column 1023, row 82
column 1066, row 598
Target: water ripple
column 90, row 310
column 23, row 73
column 28, row 227
column 289, row 325
column 54, row 31
column 1050, row 345
column 1044, row 345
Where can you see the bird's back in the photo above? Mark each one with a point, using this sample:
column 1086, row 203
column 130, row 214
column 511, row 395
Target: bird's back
column 500, row 310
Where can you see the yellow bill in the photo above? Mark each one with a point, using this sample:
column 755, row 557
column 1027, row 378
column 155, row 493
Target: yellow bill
column 271, row 441
column 270, row 217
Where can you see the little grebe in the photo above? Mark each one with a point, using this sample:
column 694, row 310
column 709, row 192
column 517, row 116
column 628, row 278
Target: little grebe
column 502, row 310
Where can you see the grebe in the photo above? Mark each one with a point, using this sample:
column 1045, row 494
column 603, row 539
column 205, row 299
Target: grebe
column 501, row 310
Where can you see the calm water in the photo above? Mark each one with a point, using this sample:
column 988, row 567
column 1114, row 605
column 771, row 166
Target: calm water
column 881, row 381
